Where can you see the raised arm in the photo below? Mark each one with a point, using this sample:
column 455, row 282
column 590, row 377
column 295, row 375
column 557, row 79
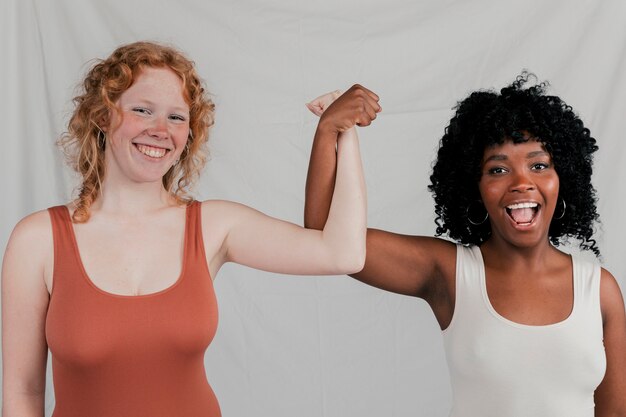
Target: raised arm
column 410, row 265
column 259, row 241
column 24, row 306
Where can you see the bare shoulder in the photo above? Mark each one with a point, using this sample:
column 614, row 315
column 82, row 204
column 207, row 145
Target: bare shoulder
column 33, row 232
column 444, row 251
column 611, row 299
column 218, row 219
column 224, row 213
column 30, row 240
column 223, row 207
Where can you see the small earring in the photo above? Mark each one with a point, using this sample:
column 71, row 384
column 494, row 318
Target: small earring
column 469, row 219
column 102, row 139
column 562, row 212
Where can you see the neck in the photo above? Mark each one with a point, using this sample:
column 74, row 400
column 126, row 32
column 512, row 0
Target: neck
column 132, row 198
column 503, row 255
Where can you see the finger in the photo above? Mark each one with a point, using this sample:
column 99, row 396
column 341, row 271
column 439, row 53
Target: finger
column 373, row 104
column 371, row 112
column 369, row 93
column 326, row 100
column 364, row 122
column 315, row 109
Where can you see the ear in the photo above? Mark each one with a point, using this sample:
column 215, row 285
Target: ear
column 103, row 124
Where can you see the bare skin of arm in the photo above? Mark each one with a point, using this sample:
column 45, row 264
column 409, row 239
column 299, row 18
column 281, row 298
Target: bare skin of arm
column 411, row 265
column 610, row 396
column 24, row 307
column 245, row 236
column 425, row 267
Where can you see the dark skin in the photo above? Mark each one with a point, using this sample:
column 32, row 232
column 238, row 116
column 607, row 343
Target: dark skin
column 528, row 280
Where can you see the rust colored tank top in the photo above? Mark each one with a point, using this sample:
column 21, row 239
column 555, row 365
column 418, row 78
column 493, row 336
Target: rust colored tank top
column 130, row 356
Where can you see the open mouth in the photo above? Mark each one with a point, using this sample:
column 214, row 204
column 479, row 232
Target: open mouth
column 523, row 213
column 151, row 151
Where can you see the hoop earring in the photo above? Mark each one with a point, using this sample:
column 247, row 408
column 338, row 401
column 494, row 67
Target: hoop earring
column 102, row 139
column 469, row 219
column 562, row 212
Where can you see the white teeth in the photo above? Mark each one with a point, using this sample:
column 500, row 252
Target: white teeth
column 150, row 151
column 522, row 205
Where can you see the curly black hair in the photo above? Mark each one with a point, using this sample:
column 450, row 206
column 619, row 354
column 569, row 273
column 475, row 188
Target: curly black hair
column 521, row 110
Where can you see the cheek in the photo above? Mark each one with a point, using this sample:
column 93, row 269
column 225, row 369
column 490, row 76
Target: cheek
column 549, row 180
column 489, row 191
column 552, row 186
column 180, row 136
column 126, row 128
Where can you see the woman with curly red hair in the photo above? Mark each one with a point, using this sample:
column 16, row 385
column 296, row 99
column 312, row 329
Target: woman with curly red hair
column 118, row 283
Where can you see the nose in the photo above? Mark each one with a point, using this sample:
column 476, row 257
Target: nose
column 521, row 181
column 158, row 128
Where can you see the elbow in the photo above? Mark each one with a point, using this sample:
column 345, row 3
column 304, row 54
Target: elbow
column 353, row 262
column 357, row 266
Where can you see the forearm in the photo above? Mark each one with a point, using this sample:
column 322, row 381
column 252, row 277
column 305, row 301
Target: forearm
column 335, row 189
column 345, row 228
column 320, row 182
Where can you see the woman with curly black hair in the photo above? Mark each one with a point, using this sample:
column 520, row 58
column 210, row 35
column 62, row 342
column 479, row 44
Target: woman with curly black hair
column 528, row 329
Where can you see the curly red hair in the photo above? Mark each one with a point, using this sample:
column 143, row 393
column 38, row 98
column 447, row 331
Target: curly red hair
column 103, row 85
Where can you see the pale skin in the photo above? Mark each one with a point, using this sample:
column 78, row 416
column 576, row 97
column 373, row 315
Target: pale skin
column 133, row 242
column 528, row 280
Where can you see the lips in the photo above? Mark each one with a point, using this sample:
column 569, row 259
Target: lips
column 523, row 213
column 151, row 151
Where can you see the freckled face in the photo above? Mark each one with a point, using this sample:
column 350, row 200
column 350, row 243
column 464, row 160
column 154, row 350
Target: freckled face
column 147, row 138
column 519, row 188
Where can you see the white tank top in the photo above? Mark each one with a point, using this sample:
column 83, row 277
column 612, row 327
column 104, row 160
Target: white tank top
column 499, row 368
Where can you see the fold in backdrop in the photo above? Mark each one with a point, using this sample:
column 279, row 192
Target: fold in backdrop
column 318, row 346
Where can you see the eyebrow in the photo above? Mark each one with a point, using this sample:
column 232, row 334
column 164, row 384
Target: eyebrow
column 503, row 157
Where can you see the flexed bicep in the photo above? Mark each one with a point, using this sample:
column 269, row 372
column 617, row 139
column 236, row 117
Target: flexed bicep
column 263, row 242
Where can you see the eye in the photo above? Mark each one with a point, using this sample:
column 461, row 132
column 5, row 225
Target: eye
column 540, row 166
column 177, row 117
column 141, row 110
column 496, row 170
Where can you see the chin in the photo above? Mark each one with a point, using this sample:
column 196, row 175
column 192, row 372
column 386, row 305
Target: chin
column 527, row 242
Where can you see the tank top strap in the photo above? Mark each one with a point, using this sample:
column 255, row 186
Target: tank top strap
column 587, row 286
column 65, row 251
column 61, row 227
column 194, row 243
column 469, row 270
column 62, row 233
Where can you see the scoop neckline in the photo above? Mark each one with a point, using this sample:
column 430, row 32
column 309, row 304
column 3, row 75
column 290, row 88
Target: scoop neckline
column 501, row 318
column 165, row 290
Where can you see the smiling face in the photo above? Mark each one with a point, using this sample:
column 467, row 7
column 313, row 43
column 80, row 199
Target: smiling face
column 519, row 188
column 148, row 134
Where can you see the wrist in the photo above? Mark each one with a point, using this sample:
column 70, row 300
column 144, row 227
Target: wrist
column 326, row 128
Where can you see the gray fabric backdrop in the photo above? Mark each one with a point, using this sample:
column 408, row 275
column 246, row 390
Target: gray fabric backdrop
column 329, row 346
